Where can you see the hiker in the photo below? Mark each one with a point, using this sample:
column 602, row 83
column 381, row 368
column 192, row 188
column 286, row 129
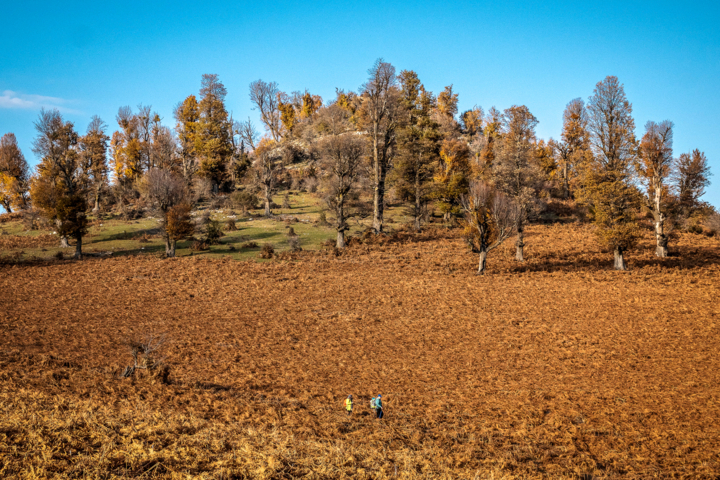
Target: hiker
column 372, row 403
column 379, row 407
column 348, row 404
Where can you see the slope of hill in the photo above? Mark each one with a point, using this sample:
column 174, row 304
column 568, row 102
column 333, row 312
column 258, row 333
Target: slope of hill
column 556, row 368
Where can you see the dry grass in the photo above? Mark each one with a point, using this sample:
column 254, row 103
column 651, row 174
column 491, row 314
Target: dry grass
column 10, row 242
column 557, row 368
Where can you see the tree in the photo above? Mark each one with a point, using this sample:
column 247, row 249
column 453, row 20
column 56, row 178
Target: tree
column 607, row 176
column 127, row 147
column 213, row 146
column 472, row 121
column 14, row 174
column 447, row 102
column 492, row 133
column 418, row 145
column 452, row 176
column 653, row 167
column 265, row 97
column 93, row 155
column 574, row 147
column 170, row 195
column 379, row 114
column 341, row 155
column 187, row 116
column 514, row 171
column 267, row 170
column 60, row 187
column 691, row 174
column 490, row 218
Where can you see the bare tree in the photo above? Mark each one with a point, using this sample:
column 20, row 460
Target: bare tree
column 653, row 167
column 380, row 105
column 490, row 219
column 171, row 197
column 264, row 95
column 267, row 170
column 341, row 154
column 248, row 134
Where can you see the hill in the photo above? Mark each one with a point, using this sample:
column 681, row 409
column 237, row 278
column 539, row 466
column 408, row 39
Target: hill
column 555, row 368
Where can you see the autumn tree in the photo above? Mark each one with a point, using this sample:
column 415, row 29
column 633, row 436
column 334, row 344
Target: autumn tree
column 574, row 146
column 492, row 133
column 265, row 97
column 691, row 174
column 472, row 122
column 187, row 116
column 653, row 167
column 514, row 171
column 93, row 155
column 418, row 145
column 607, row 181
column 379, row 117
column 452, row 176
column 14, row 174
column 171, row 197
column 60, row 187
column 127, row 148
column 267, row 170
column 490, row 218
column 341, row 156
column 213, row 146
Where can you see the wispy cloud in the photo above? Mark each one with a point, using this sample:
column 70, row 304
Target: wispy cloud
column 10, row 99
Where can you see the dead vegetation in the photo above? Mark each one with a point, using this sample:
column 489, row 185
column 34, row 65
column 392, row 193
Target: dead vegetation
column 555, row 368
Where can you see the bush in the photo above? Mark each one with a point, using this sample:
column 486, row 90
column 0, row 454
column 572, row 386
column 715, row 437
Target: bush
column 199, row 245
column 294, row 242
column 712, row 224
column 213, row 232
column 268, row 251
column 230, row 225
column 286, row 201
column 695, row 228
column 322, row 219
column 244, row 200
column 249, row 245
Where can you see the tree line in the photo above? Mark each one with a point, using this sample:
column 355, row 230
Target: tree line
column 486, row 171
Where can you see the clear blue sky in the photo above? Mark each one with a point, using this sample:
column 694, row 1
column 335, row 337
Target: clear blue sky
column 91, row 58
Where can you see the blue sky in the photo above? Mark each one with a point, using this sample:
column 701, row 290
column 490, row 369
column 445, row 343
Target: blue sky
column 89, row 59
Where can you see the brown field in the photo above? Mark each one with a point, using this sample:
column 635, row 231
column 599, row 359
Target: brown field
column 557, row 368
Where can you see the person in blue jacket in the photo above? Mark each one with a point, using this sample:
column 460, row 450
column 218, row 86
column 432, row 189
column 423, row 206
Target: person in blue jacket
column 379, row 407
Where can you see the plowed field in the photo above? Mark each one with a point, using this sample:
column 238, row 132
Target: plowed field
column 557, row 368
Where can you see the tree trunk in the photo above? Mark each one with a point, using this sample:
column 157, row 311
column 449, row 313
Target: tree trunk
column 268, row 201
column 7, row 207
column 379, row 200
column 340, row 239
column 78, row 247
column 519, row 244
column 662, row 240
column 96, row 208
column 481, row 265
column 418, row 205
column 170, row 247
column 619, row 259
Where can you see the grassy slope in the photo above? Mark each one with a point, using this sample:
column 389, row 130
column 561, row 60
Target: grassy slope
column 124, row 237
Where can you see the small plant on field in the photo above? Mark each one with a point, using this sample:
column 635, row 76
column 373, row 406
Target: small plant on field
column 322, row 219
column 294, row 243
column 199, row 245
column 230, row 225
column 244, row 200
column 268, row 251
column 247, row 245
column 286, row 201
column 147, row 355
column 59, row 256
column 213, row 232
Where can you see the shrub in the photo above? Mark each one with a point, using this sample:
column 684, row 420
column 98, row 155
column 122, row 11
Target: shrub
column 695, row 228
column 230, row 225
column 268, row 251
column 249, row 245
column 294, row 242
column 213, row 232
column 59, row 256
column 244, row 200
column 286, row 201
column 322, row 219
column 199, row 245
column 712, row 224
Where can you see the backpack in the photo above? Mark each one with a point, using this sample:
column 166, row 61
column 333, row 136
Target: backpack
column 372, row 403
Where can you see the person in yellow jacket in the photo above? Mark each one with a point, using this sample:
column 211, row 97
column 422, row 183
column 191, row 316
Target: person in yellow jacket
column 348, row 404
